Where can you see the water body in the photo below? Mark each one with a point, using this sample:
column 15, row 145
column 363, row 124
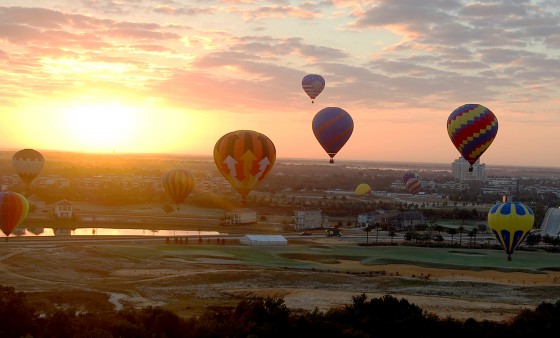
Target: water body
column 100, row 231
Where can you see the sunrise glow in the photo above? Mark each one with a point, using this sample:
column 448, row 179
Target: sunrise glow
column 145, row 77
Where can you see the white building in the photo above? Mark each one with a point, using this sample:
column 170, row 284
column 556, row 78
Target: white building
column 309, row 219
column 63, row 209
column 551, row 223
column 460, row 169
column 263, row 240
column 242, row 216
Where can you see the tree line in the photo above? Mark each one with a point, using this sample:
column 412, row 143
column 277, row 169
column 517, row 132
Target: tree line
column 268, row 317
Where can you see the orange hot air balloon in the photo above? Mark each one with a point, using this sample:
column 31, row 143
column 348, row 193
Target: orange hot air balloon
column 13, row 210
column 178, row 183
column 244, row 158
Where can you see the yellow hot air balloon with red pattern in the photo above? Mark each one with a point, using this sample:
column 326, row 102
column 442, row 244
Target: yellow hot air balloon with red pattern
column 178, row 183
column 244, row 158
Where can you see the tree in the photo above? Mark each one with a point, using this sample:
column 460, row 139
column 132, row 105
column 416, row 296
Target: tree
column 461, row 229
column 452, row 232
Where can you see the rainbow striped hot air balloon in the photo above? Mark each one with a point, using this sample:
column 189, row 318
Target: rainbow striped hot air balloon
column 13, row 210
column 332, row 127
column 413, row 185
column 510, row 222
column 178, row 183
column 244, row 158
column 472, row 129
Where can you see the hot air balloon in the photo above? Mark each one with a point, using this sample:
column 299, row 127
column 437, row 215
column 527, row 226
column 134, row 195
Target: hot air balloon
column 178, row 184
column 472, row 129
column 413, row 185
column 13, row 210
column 313, row 85
column 28, row 163
column 332, row 127
column 510, row 222
column 244, row 157
column 408, row 175
column 363, row 189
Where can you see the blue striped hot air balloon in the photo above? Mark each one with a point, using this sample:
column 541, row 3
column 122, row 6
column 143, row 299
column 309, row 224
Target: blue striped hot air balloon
column 313, row 85
column 510, row 222
column 472, row 128
column 332, row 127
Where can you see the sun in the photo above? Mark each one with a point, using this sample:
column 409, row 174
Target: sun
column 101, row 127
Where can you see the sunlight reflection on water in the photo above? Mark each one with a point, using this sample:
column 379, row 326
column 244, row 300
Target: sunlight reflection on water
column 46, row 232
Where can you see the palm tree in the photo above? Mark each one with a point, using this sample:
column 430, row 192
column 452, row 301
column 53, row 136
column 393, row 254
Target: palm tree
column 461, row 229
column 452, row 232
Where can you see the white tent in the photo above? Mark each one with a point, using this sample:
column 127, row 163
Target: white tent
column 263, row 240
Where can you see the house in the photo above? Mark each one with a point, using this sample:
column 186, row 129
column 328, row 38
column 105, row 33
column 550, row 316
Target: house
column 36, row 202
column 263, row 240
column 63, row 209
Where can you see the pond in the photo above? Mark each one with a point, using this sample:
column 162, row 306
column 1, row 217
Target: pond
column 101, row 231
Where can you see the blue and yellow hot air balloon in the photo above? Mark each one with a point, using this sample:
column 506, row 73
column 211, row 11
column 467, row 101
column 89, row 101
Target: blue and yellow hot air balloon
column 510, row 222
column 332, row 127
column 178, row 183
column 472, row 128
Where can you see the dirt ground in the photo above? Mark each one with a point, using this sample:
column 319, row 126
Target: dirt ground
column 87, row 275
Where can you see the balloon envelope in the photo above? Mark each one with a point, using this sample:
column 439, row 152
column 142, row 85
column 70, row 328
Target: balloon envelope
column 510, row 222
column 408, row 175
column 13, row 210
column 178, row 183
column 413, row 185
column 244, row 158
column 28, row 163
column 332, row 127
column 313, row 85
column 363, row 189
column 472, row 128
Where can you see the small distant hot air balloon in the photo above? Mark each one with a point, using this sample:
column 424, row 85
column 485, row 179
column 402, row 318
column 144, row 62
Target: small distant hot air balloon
column 178, row 183
column 413, row 185
column 510, row 222
column 313, row 85
column 363, row 189
column 13, row 210
column 332, row 127
column 244, row 158
column 472, row 129
column 408, row 175
column 28, row 163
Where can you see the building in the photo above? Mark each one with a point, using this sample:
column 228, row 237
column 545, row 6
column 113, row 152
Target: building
column 242, row 216
column 309, row 219
column 63, row 209
column 551, row 222
column 376, row 217
column 263, row 240
column 460, row 169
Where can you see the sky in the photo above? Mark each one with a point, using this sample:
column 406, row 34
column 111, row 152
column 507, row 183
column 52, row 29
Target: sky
column 146, row 76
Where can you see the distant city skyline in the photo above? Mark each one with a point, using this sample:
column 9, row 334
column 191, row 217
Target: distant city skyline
column 173, row 77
